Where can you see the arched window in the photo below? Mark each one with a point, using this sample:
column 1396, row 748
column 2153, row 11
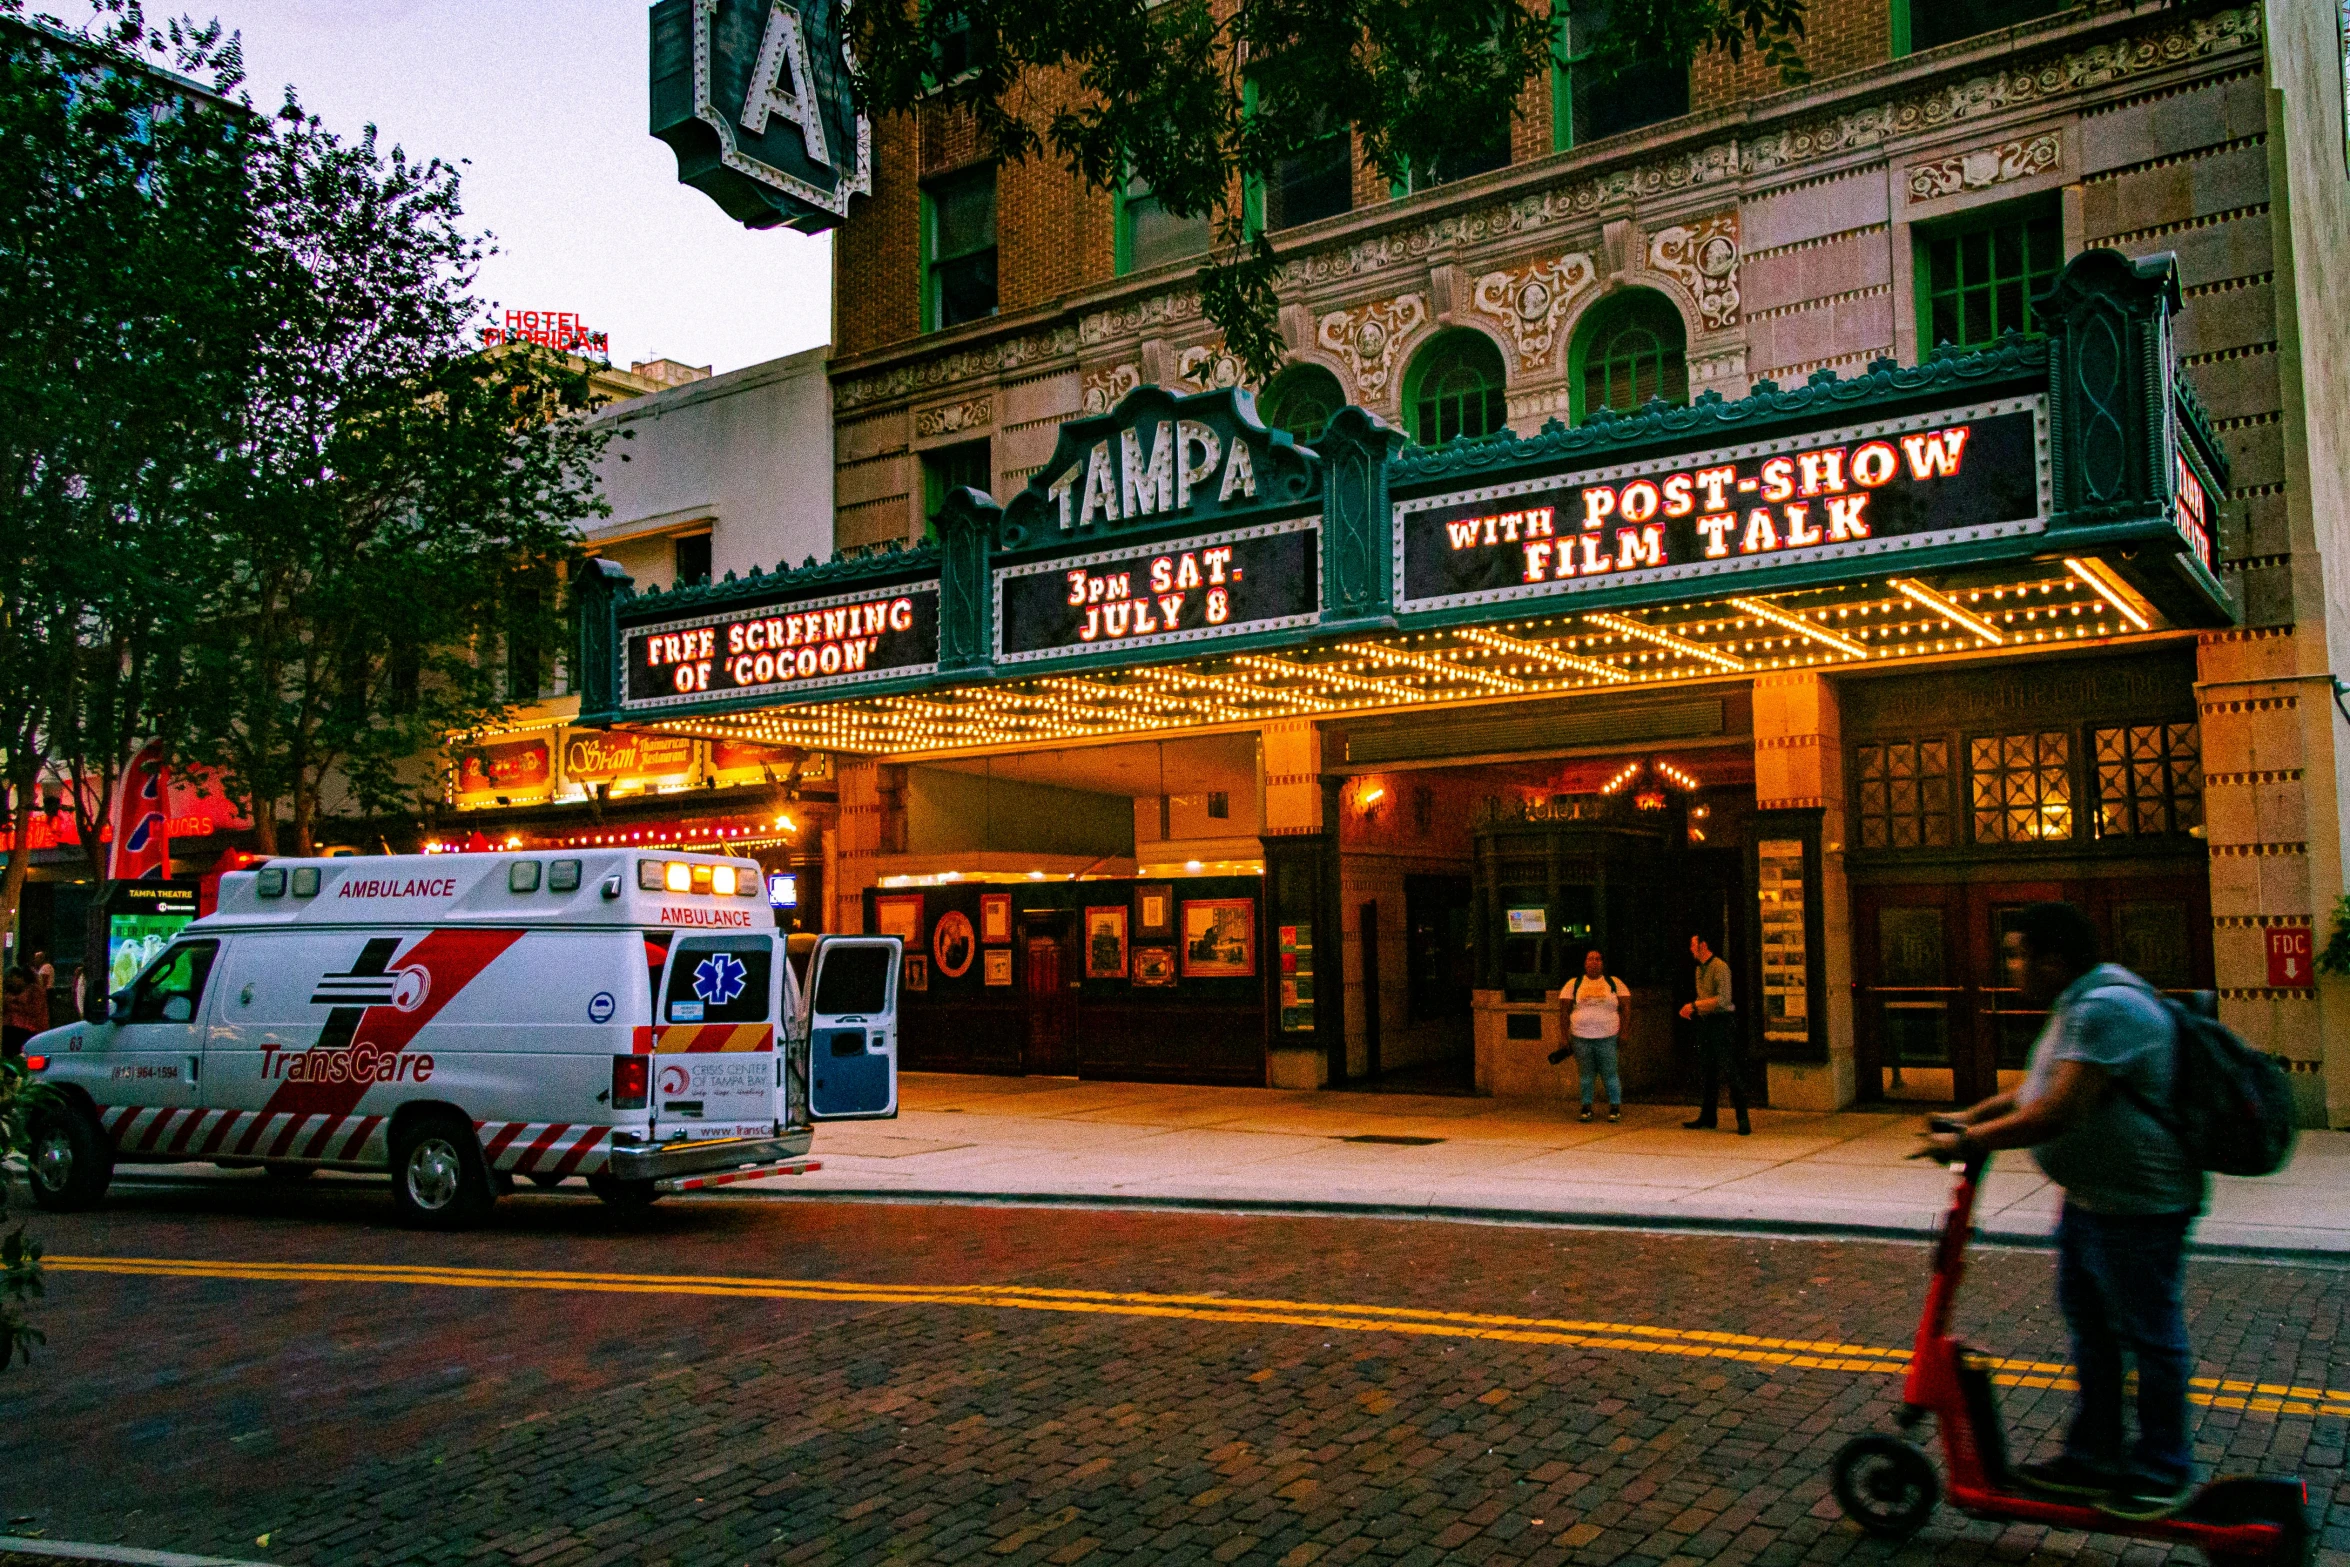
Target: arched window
column 1453, row 389
column 1629, row 349
column 1301, row 400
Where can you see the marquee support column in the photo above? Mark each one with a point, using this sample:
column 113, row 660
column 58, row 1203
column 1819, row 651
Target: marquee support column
column 1799, row 766
column 1358, row 575
column 598, row 588
column 966, row 604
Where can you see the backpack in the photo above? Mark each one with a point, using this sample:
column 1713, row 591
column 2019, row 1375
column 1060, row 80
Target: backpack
column 2231, row 1106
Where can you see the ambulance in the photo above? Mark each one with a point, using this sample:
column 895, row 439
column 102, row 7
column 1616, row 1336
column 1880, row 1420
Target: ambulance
column 465, row 1021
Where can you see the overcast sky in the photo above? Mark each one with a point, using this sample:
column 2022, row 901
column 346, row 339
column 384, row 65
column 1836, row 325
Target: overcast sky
column 547, row 99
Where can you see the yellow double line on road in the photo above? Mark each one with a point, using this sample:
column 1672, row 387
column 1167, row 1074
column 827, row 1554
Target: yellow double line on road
column 1638, row 1338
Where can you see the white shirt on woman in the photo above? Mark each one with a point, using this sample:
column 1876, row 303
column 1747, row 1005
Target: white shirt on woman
column 1596, row 1014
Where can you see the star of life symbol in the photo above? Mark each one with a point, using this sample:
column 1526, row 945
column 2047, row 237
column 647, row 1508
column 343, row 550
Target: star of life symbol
column 719, row 978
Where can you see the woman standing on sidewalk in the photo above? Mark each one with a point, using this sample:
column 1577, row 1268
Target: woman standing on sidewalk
column 1595, row 1019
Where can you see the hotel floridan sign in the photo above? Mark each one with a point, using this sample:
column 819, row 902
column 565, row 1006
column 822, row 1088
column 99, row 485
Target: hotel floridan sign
column 1961, row 476
column 753, row 97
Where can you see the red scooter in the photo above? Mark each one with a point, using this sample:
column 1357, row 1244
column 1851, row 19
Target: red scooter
column 1888, row 1486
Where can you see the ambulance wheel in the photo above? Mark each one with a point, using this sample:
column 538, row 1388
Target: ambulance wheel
column 71, row 1163
column 1886, row 1485
column 623, row 1193
column 438, row 1182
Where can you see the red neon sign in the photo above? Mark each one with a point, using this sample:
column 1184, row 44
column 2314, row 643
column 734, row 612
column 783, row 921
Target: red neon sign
column 548, row 329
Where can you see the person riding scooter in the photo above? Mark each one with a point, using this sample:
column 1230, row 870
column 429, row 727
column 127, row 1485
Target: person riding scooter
column 2104, row 1056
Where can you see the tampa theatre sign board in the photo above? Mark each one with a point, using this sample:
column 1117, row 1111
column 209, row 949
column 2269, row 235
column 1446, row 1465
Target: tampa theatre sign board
column 1179, row 525
column 1143, row 530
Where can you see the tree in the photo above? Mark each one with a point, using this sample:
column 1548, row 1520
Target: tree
column 388, row 528
column 1201, row 97
column 123, row 237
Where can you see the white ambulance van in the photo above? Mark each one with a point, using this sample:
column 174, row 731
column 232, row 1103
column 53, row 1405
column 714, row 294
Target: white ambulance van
column 464, row 1020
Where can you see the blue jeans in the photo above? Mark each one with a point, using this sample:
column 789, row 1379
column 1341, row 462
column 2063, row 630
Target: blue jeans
column 1595, row 1059
column 2118, row 1279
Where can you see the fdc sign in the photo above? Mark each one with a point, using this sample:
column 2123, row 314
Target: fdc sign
column 753, row 97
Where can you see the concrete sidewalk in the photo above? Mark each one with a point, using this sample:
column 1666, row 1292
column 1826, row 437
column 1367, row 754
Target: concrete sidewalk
column 1058, row 1139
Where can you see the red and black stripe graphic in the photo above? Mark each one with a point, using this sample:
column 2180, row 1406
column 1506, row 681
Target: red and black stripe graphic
column 450, row 960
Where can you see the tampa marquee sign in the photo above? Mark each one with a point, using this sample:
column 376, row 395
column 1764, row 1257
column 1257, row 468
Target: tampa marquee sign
column 1951, row 477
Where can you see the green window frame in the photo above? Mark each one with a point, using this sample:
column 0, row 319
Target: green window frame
column 1307, row 178
column 1150, row 236
column 1631, row 346
column 959, row 248
column 1610, row 104
column 1976, row 275
column 1456, row 389
column 1301, row 400
column 1948, row 21
column 965, row 465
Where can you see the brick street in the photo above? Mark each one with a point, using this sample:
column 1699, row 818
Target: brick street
column 348, row 1420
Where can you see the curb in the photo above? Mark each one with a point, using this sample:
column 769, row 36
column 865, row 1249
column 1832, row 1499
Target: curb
column 13, row 1545
column 1667, row 1224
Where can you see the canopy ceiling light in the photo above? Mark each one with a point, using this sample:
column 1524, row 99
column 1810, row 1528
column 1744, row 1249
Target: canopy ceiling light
column 1869, row 622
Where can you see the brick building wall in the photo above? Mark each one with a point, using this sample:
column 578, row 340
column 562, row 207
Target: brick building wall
column 1839, row 37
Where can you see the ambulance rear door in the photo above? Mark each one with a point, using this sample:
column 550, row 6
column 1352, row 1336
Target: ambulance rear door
column 853, row 1028
column 714, row 1040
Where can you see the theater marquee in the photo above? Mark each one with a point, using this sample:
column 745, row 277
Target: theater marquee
column 1196, row 590
column 1176, row 526
column 1949, row 477
column 784, row 648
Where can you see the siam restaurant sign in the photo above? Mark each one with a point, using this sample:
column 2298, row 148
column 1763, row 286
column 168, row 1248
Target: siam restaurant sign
column 1955, row 477
column 1177, row 525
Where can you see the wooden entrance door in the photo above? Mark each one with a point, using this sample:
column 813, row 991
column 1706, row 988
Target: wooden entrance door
column 1936, row 1018
column 1910, row 990
column 1049, row 991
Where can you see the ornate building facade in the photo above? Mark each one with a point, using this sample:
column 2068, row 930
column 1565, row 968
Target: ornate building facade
column 1688, row 239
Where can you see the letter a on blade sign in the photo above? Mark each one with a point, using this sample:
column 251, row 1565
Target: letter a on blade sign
column 753, row 97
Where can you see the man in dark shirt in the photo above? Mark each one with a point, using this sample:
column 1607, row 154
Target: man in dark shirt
column 1716, row 1022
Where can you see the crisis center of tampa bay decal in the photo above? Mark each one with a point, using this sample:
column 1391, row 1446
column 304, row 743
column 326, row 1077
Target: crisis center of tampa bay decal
column 784, row 648
column 1952, row 476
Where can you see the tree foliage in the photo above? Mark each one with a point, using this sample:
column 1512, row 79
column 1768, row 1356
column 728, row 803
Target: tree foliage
column 390, row 525
column 1199, row 98
column 123, row 243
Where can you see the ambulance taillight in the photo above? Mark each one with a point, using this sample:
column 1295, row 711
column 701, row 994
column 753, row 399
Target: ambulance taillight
column 632, row 1078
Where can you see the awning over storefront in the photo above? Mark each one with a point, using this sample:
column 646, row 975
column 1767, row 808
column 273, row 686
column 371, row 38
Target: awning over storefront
column 1177, row 566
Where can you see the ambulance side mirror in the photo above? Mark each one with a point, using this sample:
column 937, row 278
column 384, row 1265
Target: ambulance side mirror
column 97, row 1009
column 610, row 886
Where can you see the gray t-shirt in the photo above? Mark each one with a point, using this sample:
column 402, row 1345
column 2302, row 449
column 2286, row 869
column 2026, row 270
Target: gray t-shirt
column 2117, row 1158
